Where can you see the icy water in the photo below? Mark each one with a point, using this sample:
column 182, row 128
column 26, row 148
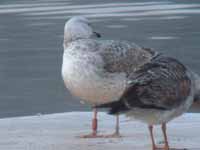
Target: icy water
column 31, row 35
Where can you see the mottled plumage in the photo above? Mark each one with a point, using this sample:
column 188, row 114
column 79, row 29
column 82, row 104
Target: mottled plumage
column 159, row 91
column 97, row 71
column 124, row 77
column 161, row 86
column 163, row 83
column 123, row 56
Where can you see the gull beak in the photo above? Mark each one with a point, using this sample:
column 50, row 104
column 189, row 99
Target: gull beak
column 98, row 35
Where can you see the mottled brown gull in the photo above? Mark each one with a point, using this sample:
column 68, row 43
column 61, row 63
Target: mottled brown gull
column 97, row 71
column 159, row 91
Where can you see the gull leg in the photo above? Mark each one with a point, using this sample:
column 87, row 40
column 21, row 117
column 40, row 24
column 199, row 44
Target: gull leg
column 152, row 137
column 164, row 128
column 166, row 146
column 116, row 134
column 94, row 134
column 117, row 126
column 94, row 123
column 94, row 127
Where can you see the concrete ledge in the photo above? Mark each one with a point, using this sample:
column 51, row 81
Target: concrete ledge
column 59, row 131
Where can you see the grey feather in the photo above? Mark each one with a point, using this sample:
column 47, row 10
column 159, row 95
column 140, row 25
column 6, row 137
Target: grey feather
column 161, row 83
column 123, row 56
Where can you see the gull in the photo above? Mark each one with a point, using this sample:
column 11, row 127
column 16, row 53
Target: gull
column 95, row 70
column 158, row 92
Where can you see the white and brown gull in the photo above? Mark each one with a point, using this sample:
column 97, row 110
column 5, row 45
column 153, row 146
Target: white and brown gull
column 97, row 71
column 158, row 92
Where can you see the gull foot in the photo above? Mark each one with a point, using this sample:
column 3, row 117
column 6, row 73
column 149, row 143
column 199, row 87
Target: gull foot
column 114, row 135
column 166, row 148
column 92, row 135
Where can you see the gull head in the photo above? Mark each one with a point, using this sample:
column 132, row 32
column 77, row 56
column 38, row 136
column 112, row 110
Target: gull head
column 78, row 28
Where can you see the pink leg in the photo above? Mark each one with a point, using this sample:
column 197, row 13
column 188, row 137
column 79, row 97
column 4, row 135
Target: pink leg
column 152, row 137
column 164, row 128
column 94, row 127
column 94, row 123
column 166, row 146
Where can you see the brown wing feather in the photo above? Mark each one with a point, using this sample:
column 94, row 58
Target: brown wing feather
column 163, row 83
column 122, row 56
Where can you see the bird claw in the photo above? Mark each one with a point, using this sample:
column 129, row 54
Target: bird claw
column 114, row 135
column 95, row 135
column 167, row 148
column 92, row 135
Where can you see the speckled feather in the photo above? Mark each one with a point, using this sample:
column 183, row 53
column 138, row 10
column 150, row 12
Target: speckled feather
column 162, row 84
column 123, row 56
column 101, row 71
column 104, row 66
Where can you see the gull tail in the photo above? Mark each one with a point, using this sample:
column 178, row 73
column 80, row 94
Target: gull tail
column 197, row 98
column 115, row 107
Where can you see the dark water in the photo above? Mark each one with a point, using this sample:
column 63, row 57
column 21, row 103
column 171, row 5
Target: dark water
column 31, row 35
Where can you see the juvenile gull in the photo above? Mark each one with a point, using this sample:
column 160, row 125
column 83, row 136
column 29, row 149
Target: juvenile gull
column 97, row 71
column 159, row 91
